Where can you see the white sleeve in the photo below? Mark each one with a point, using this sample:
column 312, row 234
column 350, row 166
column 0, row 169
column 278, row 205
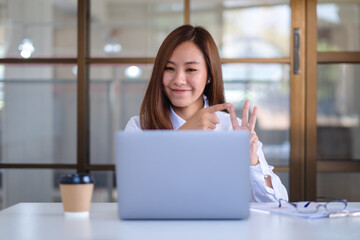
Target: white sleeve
column 259, row 191
column 133, row 124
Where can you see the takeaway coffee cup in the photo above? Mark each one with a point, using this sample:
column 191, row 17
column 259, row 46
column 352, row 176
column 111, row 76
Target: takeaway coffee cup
column 76, row 193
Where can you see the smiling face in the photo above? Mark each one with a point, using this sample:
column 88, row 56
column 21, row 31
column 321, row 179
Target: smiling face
column 184, row 79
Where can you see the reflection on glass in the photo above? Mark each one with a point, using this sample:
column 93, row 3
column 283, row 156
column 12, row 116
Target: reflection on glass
column 38, row 28
column 266, row 86
column 246, row 29
column 338, row 25
column 116, row 94
column 338, row 112
column 26, row 48
column 37, row 114
column 126, row 28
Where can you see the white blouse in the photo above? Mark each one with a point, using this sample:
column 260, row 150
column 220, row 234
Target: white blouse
column 259, row 191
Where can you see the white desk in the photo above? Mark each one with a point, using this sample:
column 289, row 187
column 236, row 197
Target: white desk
column 38, row 221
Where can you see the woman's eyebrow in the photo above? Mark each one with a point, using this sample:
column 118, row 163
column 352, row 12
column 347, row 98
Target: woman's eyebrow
column 192, row 62
column 187, row 63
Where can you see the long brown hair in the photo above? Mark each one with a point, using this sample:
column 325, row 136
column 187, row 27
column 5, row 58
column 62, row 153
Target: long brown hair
column 155, row 108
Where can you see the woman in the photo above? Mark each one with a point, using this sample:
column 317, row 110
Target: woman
column 186, row 91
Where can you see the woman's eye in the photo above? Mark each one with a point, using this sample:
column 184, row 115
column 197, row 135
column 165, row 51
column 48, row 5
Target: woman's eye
column 191, row 69
column 169, row 68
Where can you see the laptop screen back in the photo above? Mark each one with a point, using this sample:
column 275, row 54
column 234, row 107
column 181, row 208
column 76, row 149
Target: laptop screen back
column 182, row 174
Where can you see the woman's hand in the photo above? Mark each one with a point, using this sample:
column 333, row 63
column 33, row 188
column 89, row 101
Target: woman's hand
column 245, row 125
column 205, row 119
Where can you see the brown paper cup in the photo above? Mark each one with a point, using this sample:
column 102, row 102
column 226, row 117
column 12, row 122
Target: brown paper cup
column 76, row 197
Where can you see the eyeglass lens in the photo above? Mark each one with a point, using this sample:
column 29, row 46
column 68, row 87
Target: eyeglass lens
column 335, row 206
column 311, row 207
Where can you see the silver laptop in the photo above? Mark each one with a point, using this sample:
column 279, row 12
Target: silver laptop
column 182, row 174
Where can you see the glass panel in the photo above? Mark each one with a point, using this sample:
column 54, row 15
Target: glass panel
column 127, row 28
column 339, row 185
column 30, row 186
column 37, row 114
column 338, row 112
column 338, row 25
column 266, row 86
column 38, row 28
column 246, row 29
column 116, row 95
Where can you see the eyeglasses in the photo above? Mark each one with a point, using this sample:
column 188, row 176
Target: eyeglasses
column 332, row 206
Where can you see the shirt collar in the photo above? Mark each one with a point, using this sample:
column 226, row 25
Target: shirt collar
column 177, row 121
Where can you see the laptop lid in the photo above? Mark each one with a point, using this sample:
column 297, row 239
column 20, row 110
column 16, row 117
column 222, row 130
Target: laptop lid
column 182, row 174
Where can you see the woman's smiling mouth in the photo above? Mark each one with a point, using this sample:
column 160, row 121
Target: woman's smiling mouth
column 180, row 91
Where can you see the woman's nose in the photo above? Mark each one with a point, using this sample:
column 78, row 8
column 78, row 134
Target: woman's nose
column 180, row 78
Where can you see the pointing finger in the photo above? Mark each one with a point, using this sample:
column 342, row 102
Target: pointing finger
column 218, row 107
